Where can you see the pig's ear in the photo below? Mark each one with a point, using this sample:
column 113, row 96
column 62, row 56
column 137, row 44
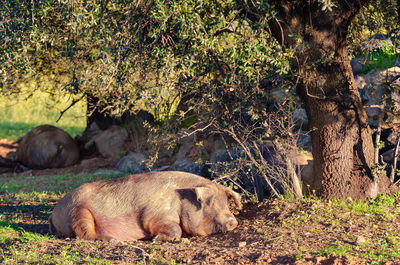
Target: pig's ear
column 205, row 194
column 234, row 196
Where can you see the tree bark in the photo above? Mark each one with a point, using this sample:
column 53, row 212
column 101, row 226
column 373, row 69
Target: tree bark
column 342, row 143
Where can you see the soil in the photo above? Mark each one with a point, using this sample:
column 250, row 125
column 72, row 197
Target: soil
column 269, row 232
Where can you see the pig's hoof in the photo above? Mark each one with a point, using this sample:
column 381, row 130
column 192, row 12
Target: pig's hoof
column 156, row 239
column 114, row 241
column 107, row 239
column 168, row 232
column 163, row 237
column 176, row 240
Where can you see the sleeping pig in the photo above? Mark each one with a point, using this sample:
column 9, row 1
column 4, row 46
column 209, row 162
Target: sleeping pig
column 47, row 146
column 160, row 205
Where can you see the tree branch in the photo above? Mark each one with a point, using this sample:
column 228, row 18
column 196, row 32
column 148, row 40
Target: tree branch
column 70, row 106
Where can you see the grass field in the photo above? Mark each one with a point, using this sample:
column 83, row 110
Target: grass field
column 20, row 114
column 341, row 231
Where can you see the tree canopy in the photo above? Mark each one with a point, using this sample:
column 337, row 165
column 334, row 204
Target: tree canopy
column 223, row 60
column 131, row 51
column 148, row 50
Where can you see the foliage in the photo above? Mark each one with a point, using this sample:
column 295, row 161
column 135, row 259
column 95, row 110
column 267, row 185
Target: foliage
column 378, row 17
column 186, row 62
column 146, row 52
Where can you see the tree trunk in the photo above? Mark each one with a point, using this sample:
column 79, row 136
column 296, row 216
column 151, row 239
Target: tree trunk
column 341, row 138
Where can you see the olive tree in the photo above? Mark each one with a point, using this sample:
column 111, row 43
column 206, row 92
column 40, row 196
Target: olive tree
column 199, row 62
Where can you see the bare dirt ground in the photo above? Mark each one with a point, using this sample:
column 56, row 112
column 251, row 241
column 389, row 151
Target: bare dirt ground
column 270, row 232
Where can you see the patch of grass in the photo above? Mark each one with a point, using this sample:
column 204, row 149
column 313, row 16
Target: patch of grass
column 28, row 254
column 22, row 113
column 308, row 227
column 58, row 184
column 33, row 237
column 380, row 207
column 385, row 200
column 351, row 228
column 13, row 231
column 382, row 249
column 337, row 248
column 10, row 187
column 7, row 233
column 380, row 59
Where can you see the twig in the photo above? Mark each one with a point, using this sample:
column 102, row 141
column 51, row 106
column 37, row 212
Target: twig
column 253, row 160
column 199, row 129
column 392, row 80
column 230, row 22
column 296, row 180
column 272, row 239
column 396, row 152
column 378, row 136
column 70, row 106
column 144, row 254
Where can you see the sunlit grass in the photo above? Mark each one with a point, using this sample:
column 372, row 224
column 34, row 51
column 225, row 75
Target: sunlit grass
column 58, row 184
column 380, row 59
column 19, row 114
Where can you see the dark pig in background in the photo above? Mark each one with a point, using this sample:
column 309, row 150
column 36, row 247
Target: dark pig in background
column 47, row 146
column 160, row 205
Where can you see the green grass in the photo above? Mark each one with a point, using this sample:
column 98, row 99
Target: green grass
column 373, row 220
column 55, row 184
column 381, row 207
column 27, row 254
column 380, row 59
column 19, row 114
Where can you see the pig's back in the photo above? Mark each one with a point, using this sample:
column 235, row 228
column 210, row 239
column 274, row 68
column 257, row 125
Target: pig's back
column 155, row 190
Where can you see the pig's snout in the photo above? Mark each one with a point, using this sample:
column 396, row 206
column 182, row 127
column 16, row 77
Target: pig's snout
column 230, row 224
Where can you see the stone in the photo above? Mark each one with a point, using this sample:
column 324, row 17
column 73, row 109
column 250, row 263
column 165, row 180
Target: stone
column 359, row 240
column 224, row 155
column 110, row 142
column 188, row 149
column 132, row 163
column 304, row 141
column 392, row 138
column 372, row 88
column 300, row 119
column 187, row 166
column 389, row 155
column 107, row 172
column 357, row 64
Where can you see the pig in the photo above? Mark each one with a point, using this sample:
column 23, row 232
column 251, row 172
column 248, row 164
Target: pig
column 164, row 205
column 47, row 146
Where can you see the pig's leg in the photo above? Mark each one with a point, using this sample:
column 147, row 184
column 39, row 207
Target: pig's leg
column 84, row 226
column 163, row 229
